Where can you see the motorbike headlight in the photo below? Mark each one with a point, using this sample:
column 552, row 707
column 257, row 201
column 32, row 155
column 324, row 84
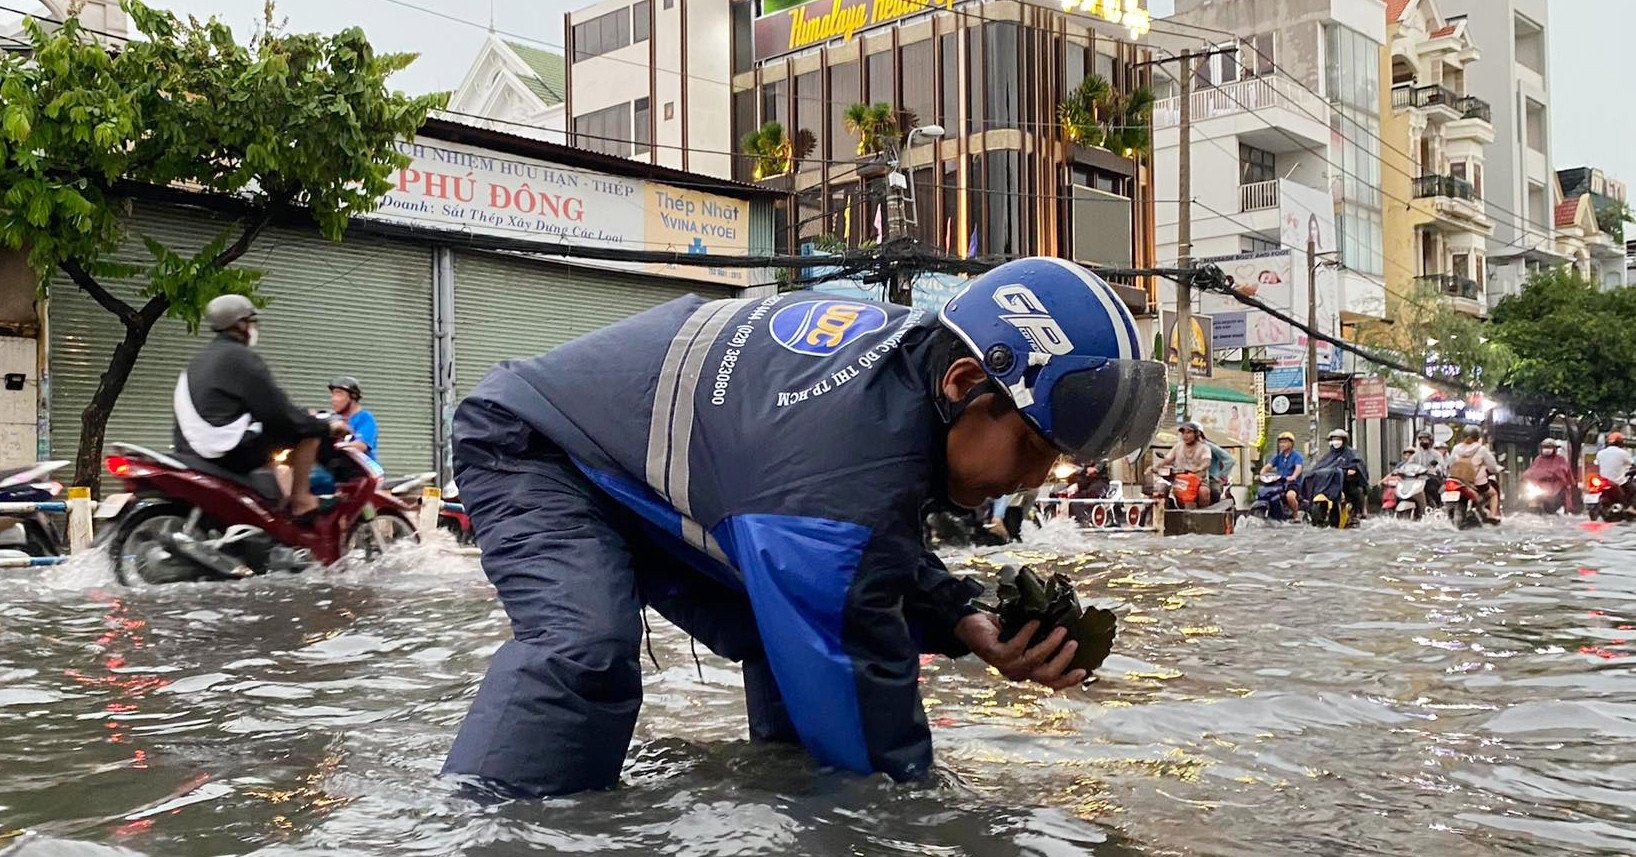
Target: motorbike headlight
column 1534, row 491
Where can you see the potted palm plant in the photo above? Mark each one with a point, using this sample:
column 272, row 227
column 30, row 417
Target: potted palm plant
column 770, row 150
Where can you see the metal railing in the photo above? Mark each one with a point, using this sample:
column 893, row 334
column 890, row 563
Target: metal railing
column 1472, row 107
column 1452, row 285
column 1256, row 93
column 1449, row 186
column 1256, row 196
column 1432, row 96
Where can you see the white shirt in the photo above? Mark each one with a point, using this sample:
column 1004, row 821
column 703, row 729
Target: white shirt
column 1614, row 462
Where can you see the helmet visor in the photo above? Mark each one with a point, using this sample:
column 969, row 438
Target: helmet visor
column 1108, row 408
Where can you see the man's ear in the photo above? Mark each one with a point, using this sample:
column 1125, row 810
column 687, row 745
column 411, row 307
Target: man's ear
column 963, row 374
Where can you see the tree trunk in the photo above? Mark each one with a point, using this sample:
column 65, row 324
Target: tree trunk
column 94, row 420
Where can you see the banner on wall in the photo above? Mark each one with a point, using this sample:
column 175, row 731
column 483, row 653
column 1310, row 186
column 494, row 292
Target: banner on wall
column 1267, row 277
column 462, row 188
column 1235, row 419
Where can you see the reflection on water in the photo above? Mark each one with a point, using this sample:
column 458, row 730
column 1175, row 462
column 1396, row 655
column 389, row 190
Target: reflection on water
column 1397, row 689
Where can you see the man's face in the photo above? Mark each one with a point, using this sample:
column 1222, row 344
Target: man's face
column 1285, row 445
column 1425, row 443
column 992, row 450
column 339, row 400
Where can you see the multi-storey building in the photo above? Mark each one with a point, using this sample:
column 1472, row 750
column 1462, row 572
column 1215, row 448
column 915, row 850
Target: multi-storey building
column 1590, row 222
column 1437, row 135
column 1519, row 184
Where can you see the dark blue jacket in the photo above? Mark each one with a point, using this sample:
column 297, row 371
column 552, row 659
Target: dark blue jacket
column 785, row 447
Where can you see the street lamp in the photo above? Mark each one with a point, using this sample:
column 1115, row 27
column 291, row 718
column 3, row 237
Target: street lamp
column 930, row 132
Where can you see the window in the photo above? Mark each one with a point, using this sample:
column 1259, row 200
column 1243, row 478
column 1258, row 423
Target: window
column 1477, row 179
column 1256, row 165
column 1227, row 67
column 607, row 131
column 744, row 121
column 603, row 33
column 974, row 76
column 880, row 87
column 948, row 97
column 843, row 92
column 1073, row 64
column 1530, row 44
column 1534, row 130
column 949, row 236
column 1255, row 56
column 670, row 110
column 670, row 4
column 1461, row 266
column 924, row 181
column 1003, row 81
column 973, row 242
column 808, row 130
column 640, row 15
column 773, row 104
column 1352, row 69
column 642, row 125
column 1539, row 213
column 1256, row 244
column 919, row 87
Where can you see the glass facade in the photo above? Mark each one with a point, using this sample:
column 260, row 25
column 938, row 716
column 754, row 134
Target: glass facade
column 843, row 93
column 809, row 119
column 1352, row 83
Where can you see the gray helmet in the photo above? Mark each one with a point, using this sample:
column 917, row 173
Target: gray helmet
column 1192, row 427
column 1423, row 433
column 225, row 311
column 349, row 384
column 1471, row 433
column 1339, row 433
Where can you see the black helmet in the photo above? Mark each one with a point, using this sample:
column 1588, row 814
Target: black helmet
column 225, row 311
column 349, row 384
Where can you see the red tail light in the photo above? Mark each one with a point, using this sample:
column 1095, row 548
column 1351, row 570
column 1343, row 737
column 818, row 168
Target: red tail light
column 1451, row 485
column 118, row 464
column 1596, row 482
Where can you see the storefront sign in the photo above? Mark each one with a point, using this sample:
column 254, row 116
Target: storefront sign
column 1287, row 380
column 1201, row 363
column 477, row 191
column 1236, row 419
column 1227, row 330
column 1369, row 397
column 818, row 21
column 1286, row 404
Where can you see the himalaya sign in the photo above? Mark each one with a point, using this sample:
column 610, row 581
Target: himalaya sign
column 819, row 21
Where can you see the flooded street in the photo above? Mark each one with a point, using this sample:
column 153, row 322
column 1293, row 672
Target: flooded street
column 1399, row 689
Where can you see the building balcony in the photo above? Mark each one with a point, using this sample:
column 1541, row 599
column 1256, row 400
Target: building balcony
column 1472, row 107
column 1437, row 101
column 1462, row 292
column 1476, row 121
column 1446, row 186
column 1272, row 113
column 1257, row 196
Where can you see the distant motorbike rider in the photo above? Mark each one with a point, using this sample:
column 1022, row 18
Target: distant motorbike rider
column 1425, row 456
column 1614, row 461
column 1354, row 474
column 1552, row 473
column 346, row 398
column 1193, row 455
column 1289, row 463
column 231, row 412
column 1472, row 461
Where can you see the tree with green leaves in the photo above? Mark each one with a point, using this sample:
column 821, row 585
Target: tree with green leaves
column 771, row 151
column 287, row 125
column 1574, row 349
column 875, row 124
column 1429, row 332
column 1095, row 114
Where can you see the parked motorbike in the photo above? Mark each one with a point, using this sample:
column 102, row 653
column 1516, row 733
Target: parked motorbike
column 1403, row 492
column 184, row 518
column 1269, row 504
column 32, row 533
column 1606, row 500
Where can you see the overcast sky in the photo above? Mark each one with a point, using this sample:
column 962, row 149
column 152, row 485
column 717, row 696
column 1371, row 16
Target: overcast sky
column 1593, row 117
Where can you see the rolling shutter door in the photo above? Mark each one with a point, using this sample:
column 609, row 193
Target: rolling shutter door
column 510, row 306
column 362, row 307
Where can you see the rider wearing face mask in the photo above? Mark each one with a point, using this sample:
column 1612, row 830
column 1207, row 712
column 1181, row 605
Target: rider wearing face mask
column 1355, row 478
column 1425, row 456
column 231, row 413
column 1551, row 472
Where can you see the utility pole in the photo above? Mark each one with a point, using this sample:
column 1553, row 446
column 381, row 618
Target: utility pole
column 1312, row 339
column 1184, row 242
column 899, row 289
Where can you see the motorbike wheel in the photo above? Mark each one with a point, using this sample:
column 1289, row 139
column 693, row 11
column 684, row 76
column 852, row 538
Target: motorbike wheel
column 138, row 551
column 371, row 539
column 1463, row 516
column 1593, row 511
column 1407, row 511
column 1318, row 515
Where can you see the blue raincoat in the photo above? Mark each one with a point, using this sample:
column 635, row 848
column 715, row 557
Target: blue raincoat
column 755, row 470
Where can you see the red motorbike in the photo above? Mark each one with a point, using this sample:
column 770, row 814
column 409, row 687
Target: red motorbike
column 184, row 518
column 1607, row 500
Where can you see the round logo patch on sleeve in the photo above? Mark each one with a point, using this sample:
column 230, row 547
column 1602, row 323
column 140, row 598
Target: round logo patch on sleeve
column 821, row 328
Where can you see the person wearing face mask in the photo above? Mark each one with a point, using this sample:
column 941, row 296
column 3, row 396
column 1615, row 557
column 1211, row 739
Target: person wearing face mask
column 230, row 412
column 1425, row 456
column 1551, row 474
column 1343, row 460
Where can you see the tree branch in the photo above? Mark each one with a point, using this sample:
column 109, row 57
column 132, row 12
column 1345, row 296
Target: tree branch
column 252, row 230
column 102, row 296
column 153, row 310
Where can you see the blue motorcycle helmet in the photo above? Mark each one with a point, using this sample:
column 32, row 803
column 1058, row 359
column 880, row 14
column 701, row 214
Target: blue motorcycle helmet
column 1061, row 344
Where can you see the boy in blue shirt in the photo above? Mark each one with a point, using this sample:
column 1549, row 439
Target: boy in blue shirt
column 1289, row 463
